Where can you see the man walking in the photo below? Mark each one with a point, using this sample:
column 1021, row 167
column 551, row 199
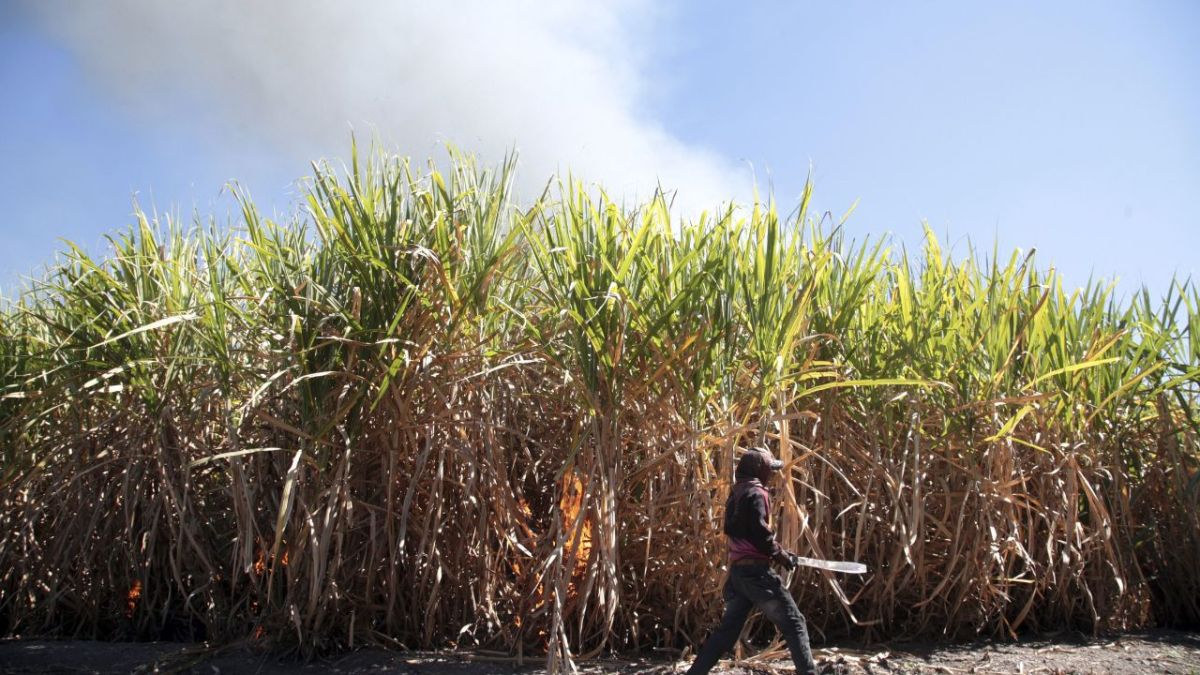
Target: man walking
column 751, row 582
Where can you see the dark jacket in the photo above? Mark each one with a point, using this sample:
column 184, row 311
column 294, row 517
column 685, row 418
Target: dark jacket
column 747, row 522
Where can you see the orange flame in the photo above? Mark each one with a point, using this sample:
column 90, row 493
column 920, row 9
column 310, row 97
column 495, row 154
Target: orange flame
column 260, row 563
column 131, row 598
column 578, row 545
column 570, row 504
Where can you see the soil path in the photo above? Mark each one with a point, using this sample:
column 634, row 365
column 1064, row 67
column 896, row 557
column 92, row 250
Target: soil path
column 1174, row 652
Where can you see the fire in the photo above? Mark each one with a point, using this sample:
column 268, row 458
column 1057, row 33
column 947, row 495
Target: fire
column 260, row 563
column 578, row 545
column 569, row 505
column 131, row 598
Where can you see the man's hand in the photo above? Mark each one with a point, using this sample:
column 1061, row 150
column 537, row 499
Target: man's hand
column 786, row 559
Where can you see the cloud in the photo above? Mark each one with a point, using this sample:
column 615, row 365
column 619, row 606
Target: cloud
column 561, row 82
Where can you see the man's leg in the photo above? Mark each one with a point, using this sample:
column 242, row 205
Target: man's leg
column 737, row 607
column 776, row 603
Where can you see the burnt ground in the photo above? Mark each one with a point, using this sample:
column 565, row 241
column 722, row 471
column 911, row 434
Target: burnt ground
column 1162, row 651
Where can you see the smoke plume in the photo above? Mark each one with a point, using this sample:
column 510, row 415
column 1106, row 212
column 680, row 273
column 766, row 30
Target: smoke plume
column 560, row 82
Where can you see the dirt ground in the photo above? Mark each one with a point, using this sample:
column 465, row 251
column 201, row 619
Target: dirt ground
column 1173, row 652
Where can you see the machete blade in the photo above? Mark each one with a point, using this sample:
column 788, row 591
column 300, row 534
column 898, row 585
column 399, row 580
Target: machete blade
column 833, row 565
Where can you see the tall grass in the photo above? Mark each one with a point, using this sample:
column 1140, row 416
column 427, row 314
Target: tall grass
column 424, row 415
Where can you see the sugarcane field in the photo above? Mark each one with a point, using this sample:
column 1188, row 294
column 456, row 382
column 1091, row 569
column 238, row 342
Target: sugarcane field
column 426, row 417
column 599, row 338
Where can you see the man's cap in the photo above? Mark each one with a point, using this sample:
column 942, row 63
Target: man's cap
column 756, row 459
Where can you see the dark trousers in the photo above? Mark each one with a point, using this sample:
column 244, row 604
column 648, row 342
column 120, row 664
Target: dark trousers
column 747, row 587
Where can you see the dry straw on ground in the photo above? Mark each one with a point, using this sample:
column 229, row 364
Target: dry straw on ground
column 422, row 415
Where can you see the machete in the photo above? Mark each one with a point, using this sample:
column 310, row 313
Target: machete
column 831, row 565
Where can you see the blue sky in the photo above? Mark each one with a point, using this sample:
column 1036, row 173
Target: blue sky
column 1067, row 126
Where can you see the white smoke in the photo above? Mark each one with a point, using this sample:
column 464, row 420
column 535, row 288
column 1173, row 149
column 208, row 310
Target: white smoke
column 561, row 82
